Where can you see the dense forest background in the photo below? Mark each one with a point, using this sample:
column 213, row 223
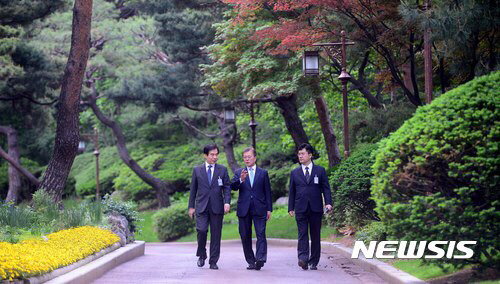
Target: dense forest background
column 161, row 73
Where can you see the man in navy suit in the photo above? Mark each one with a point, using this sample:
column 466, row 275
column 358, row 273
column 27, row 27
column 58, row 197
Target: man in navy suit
column 209, row 198
column 254, row 204
column 308, row 186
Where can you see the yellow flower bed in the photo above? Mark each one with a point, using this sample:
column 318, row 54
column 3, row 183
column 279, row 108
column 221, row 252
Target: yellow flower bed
column 35, row 257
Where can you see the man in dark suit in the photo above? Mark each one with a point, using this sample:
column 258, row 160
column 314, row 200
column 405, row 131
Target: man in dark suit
column 254, row 204
column 308, row 186
column 209, row 198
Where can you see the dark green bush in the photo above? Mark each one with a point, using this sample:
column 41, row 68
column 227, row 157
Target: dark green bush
column 374, row 231
column 351, row 184
column 371, row 125
column 437, row 177
column 172, row 222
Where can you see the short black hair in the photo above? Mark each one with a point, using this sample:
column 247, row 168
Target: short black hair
column 250, row 149
column 306, row 146
column 209, row 148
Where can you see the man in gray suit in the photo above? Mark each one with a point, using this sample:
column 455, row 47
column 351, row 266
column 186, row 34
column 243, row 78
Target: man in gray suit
column 209, row 199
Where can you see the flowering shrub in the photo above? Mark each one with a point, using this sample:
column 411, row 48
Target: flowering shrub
column 35, row 257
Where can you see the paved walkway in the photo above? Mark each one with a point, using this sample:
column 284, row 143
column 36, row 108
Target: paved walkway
column 176, row 263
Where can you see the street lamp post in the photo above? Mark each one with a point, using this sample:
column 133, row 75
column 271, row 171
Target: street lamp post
column 81, row 148
column 310, row 68
column 253, row 125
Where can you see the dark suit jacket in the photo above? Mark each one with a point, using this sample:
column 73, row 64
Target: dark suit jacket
column 202, row 194
column 302, row 193
column 260, row 192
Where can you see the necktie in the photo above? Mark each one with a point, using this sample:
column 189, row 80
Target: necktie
column 251, row 176
column 307, row 174
column 209, row 174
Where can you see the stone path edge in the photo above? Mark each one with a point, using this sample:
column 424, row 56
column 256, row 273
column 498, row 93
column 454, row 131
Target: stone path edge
column 93, row 266
column 383, row 270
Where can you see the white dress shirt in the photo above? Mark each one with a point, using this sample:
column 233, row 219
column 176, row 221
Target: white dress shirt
column 309, row 167
column 212, row 169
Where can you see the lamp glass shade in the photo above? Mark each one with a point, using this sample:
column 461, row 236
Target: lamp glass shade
column 310, row 63
column 81, row 146
column 229, row 115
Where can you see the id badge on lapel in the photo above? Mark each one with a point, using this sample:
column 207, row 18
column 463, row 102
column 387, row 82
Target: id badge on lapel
column 219, row 181
column 316, row 179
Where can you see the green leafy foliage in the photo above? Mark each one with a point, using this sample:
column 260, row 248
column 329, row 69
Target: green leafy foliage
column 374, row 231
column 351, row 184
column 371, row 125
column 172, row 222
column 44, row 217
column 126, row 209
column 436, row 178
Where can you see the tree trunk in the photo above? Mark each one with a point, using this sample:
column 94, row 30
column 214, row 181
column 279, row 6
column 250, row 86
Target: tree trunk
column 288, row 108
column 332, row 147
column 428, row 58
column 13, row 153
column 67, row 132
column 443, row 79
column 228, row 144
column 372, row 100
column 161, row 188
column 413, row 65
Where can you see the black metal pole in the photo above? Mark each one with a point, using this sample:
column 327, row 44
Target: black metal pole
column 253, row 125
column 96, row 153
column 344, row 77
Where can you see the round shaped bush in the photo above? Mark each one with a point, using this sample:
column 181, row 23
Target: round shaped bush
column 172, row 222
column 437, row 177
column 351, row 189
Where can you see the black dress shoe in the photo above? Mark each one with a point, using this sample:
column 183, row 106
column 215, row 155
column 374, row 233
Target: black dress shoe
column 213, row 266
column 251, row 266
column 303, row 264
column 201, row 262
column 259, row 264
column 314, row 267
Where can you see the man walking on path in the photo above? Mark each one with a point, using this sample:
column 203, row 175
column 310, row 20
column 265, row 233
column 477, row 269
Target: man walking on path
column 209, row 199
column 308, row 186
column 254, row 204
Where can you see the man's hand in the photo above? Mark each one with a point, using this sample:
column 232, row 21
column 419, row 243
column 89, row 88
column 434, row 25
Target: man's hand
column 291, row 213
column 226, row 208
column 243, row 175
column 328, row 207
column 268, row 215
column 191, row 212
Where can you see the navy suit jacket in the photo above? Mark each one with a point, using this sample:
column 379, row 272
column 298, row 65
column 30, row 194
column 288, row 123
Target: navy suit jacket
column 303, row 193
column 260, row 193
column 202, row 194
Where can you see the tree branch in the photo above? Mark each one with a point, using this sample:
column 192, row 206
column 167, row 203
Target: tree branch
column 21, row 96
column 18, row 167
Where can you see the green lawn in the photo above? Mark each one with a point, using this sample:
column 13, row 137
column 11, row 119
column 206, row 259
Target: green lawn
column 280, row 226
column 147, row 234
column 416, row 268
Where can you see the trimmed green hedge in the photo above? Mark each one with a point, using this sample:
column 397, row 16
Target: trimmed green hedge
column 173, row 222
column 437, row 177
column 351, row 184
